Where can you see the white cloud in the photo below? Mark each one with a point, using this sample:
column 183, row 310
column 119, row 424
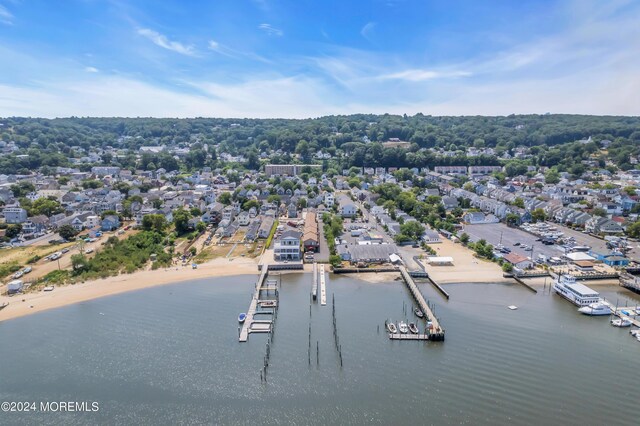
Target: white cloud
column 91, row 69
column 164, row 42
column 5, row 16
column 415, row 75
column 271, row 30
column 367, row 30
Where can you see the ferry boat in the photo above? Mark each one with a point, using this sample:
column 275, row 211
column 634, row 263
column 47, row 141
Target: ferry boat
column 595, row 309
column 576, row 293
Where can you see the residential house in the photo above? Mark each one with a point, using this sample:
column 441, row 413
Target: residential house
column 288, row 246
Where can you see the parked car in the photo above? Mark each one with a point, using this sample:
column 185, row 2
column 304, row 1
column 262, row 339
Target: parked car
column 27, row 270
column 88, row 251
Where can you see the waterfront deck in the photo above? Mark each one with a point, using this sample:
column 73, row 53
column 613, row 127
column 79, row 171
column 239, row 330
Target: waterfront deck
column 323, row 287
column 437, row 332
column 248, row 325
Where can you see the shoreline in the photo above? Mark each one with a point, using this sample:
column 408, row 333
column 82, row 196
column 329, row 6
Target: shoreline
column 30, row 303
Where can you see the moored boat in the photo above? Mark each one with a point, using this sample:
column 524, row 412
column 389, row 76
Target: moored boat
column 621, row 322
column 242, row 317
column 413, row 328
column 402, row 326
column 392, row 327
column 4, row 305
column 418, row 313
column 576, row 293
column 595, row 309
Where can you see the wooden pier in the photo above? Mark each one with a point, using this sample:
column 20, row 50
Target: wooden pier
column 400, row 336
column 518, row 279
column 323, row 287
column 437, row 332
column 314, row 287
column 617, row 311
column 252, row 325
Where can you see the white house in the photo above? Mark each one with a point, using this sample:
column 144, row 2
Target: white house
column 288, row 246
column 349, row 210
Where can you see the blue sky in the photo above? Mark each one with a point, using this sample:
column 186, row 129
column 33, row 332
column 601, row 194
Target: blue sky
column 305, row 58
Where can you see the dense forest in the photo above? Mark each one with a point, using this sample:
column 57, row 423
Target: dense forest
column 355, row 139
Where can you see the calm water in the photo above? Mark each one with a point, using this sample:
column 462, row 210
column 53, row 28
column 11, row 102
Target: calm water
column 170, row 355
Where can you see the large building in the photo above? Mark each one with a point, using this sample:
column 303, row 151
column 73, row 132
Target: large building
column 15, row 215
column 288, row 169
column 310, row 236
column 287, row 247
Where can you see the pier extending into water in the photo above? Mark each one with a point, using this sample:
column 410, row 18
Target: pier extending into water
column 314, row 287
column 251, row 324
column 400, row 336
column 436, row 332
column 323, row 287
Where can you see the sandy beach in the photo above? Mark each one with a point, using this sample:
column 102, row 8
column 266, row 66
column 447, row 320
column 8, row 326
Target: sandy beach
column 70, row 294
column 466, row 267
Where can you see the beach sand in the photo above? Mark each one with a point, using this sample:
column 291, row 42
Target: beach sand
column 466, row 267
column 70, row 294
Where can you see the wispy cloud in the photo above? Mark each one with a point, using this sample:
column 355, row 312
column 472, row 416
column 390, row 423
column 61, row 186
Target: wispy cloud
column 234, row 53
column 91, row 69
column 271, row 30
column 367, row 30
column 162, row 41
column 5, row 16
column 416, row 75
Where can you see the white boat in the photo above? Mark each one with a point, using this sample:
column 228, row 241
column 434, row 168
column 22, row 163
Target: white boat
column 403, row 327
column 242, row 317
column 576, row 293
column 595, row 309
column 620, row 322
column 48, row 288
column 392, row 328
column 635, row 332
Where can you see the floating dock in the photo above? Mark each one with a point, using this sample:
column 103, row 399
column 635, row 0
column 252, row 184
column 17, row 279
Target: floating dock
column 323, row 287
column 617, row 311
column 400, row 336
column 251, row 324
column 314, row 287
column 437, row 332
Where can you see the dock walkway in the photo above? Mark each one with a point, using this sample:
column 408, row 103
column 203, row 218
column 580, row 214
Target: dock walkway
column 400, row 336
column 437, row 332
column 255, row 300
column 618, row 312
column 323, row 287
column 314, row 288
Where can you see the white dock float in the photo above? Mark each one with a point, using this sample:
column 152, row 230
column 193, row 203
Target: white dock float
column 314, row 288
column 323, row 287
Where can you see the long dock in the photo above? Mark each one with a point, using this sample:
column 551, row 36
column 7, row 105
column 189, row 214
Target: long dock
column 323, row 287
column 617, row 311
column 247, row 326
column 437, row 332
column 400, row 336
column 314, row 288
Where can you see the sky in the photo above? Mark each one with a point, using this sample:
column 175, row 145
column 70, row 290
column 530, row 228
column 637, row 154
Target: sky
column 310, row 58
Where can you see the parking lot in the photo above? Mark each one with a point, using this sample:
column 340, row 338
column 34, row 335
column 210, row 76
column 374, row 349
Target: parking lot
column 495, row 232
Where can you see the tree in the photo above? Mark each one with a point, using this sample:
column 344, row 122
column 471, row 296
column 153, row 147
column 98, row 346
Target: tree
column 519, row 202
column 155, row 222
column 79, row 261
column 46, row 206
column 225, row 198
column 552, row 177
column 538, row 215
column 22, row 188
column 201, row 227
column 413, row 229
column 247, row 205
column 67, row 232
column 464, row 238
column 630, row 190
column 13, row 230
column 335, row 260
column 181, row 220
column 512, row 219
column 599, row 211
column 633, row 230
column 192, row 251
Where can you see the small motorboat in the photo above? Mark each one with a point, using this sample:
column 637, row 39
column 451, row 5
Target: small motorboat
column 621, row 322
column 413, row 328
column 403, row 327
column 635, row 332
column 242, row 317
column 418, row 313
column 4, row 305
column 595, row 309
column 392, row 328
column 48, row 288
column 512, row 307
